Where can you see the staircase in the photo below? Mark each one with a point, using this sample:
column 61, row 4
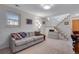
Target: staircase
column 59, row 31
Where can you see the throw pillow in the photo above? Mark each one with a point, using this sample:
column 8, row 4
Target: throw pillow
column 23, row 34
column 19, row 36
column 37, row 33
column 15, row 36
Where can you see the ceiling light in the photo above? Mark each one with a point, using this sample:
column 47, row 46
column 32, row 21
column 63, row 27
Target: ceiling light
column 47, row 6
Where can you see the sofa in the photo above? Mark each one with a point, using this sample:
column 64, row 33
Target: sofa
column 21, row 40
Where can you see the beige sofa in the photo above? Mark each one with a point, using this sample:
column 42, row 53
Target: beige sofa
column 17, row 45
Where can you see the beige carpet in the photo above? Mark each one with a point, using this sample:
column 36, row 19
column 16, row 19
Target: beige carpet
column 50, row 46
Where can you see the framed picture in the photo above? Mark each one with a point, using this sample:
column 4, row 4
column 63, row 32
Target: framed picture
column 66, row 23
column 28, row 21
column 51, row 30
column 43, row 22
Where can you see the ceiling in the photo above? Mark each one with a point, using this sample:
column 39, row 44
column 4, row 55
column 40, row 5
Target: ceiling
column 57, row 9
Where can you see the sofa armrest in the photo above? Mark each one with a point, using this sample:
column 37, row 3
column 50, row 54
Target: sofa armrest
column 41, row 35
column 12, row 44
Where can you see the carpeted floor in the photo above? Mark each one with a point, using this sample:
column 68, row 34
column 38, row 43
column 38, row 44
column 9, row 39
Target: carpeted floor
column 50, row 46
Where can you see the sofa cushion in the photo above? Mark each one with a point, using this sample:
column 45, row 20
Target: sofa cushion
column 27, row 40
column 23, row 41
column 37, row 37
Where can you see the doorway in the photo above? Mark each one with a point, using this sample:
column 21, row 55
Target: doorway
column 75, row 25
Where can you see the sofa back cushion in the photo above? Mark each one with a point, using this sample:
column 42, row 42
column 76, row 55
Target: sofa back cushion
column 28, row 34
column 31, row 33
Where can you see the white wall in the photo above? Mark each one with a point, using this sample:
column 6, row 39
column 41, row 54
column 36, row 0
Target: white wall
column 5, row 31
column 45, row 27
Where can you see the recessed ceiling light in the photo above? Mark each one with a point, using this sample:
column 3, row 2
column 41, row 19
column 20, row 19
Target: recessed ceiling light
column 46, row 6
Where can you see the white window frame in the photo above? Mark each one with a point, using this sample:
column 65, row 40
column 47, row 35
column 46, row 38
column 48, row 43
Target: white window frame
column 15, row 20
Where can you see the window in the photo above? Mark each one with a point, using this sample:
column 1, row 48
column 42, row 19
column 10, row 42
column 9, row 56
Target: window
column 13, row 18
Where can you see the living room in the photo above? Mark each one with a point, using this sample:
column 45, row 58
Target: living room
column 37, row 28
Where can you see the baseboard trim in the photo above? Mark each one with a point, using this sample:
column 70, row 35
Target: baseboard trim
column 5, row 50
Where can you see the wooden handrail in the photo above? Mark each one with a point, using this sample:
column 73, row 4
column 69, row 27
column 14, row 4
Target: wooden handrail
column 63, row 20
